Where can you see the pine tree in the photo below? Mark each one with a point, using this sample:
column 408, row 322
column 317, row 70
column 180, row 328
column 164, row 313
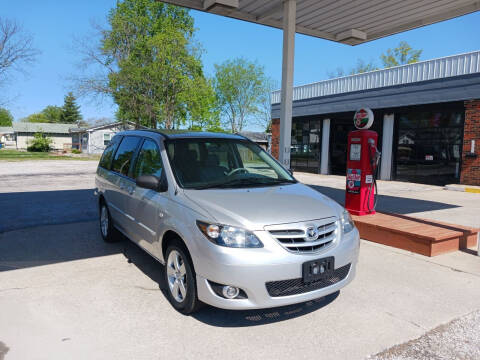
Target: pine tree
column 70, row 110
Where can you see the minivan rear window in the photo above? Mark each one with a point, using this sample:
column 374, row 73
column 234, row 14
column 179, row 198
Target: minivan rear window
column 123, row 156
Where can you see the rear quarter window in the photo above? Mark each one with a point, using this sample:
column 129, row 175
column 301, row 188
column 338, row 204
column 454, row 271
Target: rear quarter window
column 106, row 159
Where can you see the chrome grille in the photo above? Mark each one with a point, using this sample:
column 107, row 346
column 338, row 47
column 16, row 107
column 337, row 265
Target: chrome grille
column 296, row 239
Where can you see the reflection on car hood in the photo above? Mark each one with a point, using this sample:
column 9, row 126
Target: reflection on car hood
column 255, row 208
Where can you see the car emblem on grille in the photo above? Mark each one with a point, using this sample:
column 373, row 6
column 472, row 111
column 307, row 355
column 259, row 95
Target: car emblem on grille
column 312, row 233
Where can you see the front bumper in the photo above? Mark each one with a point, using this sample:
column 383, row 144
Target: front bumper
column 251, row 269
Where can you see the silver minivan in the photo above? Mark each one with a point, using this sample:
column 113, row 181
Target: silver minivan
column 232, row 226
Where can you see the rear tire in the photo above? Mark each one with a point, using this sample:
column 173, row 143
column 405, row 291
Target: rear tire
column 180, row 279
column 107, row 230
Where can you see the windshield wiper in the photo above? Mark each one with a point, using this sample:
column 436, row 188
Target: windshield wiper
column 245, row 182
column 281, row 181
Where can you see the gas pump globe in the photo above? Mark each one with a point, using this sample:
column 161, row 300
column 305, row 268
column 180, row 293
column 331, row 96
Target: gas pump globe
column 362, row 165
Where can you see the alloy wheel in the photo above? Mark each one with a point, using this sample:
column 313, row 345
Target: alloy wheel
column 177, row 276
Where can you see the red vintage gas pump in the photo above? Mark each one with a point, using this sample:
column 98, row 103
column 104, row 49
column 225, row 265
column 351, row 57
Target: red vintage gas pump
column 362, row 165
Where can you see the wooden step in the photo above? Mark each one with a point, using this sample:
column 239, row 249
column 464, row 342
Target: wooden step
column 425, row 237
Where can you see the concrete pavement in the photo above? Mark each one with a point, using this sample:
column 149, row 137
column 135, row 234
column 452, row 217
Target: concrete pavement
column 423, row 201
column 46, row 192
column 66, row 294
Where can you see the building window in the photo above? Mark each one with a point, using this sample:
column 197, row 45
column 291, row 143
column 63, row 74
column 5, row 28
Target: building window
column 106, row 139
column 305, row 148
column 429, row 144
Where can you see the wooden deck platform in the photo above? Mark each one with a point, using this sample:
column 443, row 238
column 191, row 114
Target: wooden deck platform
column 425, row 237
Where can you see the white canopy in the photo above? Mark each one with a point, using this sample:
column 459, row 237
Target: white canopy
column 346, row 21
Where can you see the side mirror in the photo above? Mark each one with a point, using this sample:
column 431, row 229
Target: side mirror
column 152, row 182
column 162, row 183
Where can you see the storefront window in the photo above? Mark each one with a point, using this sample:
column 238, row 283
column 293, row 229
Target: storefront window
column 305, row 149
column 429, row 144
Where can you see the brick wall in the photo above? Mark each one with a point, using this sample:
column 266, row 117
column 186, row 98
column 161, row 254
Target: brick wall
column 470, row 174
column 275, row 137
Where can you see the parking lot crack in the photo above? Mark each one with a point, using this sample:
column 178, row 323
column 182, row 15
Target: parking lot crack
column 14, row 288
column 406, row 320
column 146, row 289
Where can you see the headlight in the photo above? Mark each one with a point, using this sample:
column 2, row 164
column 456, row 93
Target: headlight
column 229, row 236
column 347, row 222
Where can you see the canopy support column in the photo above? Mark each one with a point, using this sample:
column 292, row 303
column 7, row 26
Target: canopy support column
column 289, row 27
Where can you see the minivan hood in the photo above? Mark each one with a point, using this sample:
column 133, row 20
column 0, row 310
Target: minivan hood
column 254, row 208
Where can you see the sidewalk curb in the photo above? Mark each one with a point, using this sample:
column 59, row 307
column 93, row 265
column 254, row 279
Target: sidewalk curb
column 469, row 189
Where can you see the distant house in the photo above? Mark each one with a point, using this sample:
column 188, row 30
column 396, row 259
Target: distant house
column 7, row 137
column 94, row 140
column 59, row 133
column 261, row 138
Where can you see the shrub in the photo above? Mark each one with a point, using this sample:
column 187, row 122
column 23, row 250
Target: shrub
column 40, row 143
column 76, row 151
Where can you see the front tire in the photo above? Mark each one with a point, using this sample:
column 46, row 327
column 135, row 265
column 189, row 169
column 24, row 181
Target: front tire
column 181, row 280
column 107, row 230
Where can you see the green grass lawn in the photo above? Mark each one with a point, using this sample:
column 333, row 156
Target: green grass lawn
column 15, row 155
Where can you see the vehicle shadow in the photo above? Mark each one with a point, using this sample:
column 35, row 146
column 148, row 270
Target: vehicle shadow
column 46, row 245
column 21, row 210
column 242, row 318
column 388, row 203
column 220, row 317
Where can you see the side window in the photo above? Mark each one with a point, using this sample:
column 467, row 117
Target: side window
column 107, row 156
column 123, row 156
column 149, row 161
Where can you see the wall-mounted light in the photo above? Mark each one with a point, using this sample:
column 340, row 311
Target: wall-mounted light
column 472, row 153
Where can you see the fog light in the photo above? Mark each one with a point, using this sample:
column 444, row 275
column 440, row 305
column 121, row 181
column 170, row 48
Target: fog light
column 230, row 292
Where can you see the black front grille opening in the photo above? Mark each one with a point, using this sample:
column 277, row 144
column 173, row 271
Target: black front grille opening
column 297, row 286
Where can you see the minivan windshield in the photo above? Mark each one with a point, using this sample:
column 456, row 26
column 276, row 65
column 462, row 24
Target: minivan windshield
column 203, row 163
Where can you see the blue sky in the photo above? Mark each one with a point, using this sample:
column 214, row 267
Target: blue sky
column 53, row 25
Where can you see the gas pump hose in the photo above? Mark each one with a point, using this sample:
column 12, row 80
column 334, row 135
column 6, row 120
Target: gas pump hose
column 373, row 186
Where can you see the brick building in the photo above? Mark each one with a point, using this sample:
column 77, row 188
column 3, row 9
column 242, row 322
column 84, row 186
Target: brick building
column 427, row 116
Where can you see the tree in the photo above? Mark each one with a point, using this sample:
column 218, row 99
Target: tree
column 239, row 85
column 35, row 118
column 338, row 72
column 40, row 143
column 50, row 114
column 99, row 121
column 363, row 67
column 401, row 55
column 16, row 49
column 203, row 111
column 53, row 114
column 264, row 115
column 70, row 110
column 6, row 117
column 147, row 61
